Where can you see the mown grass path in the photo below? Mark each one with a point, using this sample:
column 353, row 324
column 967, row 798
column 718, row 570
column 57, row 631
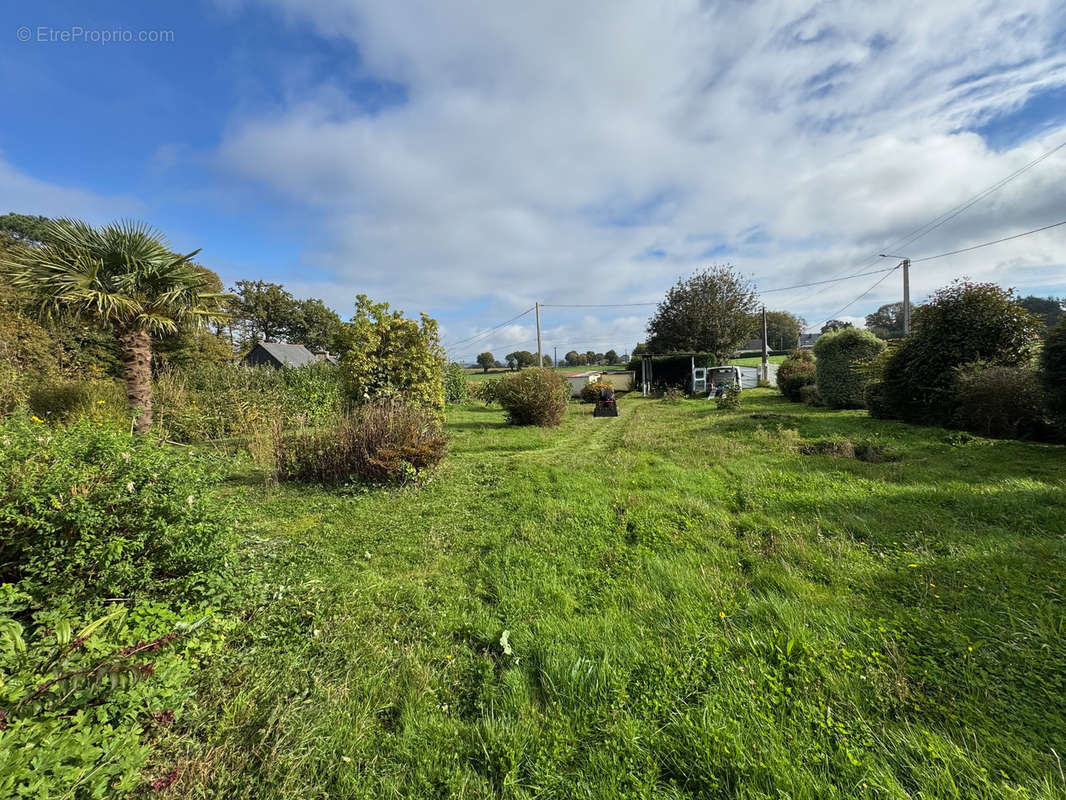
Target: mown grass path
column 692, row 607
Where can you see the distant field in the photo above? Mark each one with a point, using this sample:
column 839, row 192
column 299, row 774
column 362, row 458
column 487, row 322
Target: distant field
column 755, row 361
column 478, row 375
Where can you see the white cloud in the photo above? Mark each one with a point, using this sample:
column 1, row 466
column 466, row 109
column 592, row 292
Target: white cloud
column 547, row 148
column 28, row 195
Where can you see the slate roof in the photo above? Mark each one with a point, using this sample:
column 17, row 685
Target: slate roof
column 284, row 355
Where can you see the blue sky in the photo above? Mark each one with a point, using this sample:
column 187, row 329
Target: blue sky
column 468, row 158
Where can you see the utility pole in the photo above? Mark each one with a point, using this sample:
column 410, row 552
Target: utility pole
column 765, row 351
column 555, row 361
column 906, row 264
column 906, row 296
column 540, row 355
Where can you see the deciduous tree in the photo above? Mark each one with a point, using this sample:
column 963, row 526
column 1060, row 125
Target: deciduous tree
column 266, row 311
column 782, row 329
column 709, row 312
column 486, row 360
column 389, row 355
column 1049, row 309
column 887, row 321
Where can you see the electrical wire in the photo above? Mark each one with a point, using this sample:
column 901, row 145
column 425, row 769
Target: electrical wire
column 877, row 283
column 989, row 244
column 490, row 330
column 596, row 305
column 949, row 215
column 831, row 280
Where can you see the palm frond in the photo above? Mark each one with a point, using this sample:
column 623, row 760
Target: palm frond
column 122, row 273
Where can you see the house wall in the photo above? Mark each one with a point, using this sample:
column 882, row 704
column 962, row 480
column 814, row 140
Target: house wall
column 621, row 381
column 578, row 382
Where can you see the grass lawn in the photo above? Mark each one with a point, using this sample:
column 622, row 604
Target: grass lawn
column 675, row 603
column 755, row 361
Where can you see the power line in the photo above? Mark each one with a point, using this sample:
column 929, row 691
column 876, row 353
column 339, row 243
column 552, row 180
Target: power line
column 490, row 330
column 951, row 213
column 831, row 280
column 877, row 283
column 596, row 305
column 989, row 244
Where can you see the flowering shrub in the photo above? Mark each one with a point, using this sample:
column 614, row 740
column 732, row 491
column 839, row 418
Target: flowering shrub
column 92, row 512
column 590, row 392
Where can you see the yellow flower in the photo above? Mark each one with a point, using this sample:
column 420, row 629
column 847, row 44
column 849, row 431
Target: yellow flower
column 970, row 649
column 35, row 418
column 912, row 565
column 721, row 614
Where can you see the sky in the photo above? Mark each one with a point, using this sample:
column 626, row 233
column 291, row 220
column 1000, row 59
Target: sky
column 470, row 158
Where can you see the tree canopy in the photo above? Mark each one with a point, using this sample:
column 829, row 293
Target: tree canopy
column 887, row 321
column 835, row 325
column 709, row 312
column 1049, row 309
column 486, row 361
column 782, row 329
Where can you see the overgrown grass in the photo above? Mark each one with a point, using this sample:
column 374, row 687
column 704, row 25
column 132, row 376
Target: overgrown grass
column 674, row 603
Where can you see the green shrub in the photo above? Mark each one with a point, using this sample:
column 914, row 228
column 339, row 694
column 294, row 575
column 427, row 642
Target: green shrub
column 312, row 393
column 91, row 512
column 792, row 385
column 385, row 441
column 456, row 390
column 729, row 399
column 1053, row 368
column 590, row 392
column 392, row 356
column 66, row 401
column 798, row 361
column 487, row 391
column 794, row 373
column 873, row 397
column 1001, row 402
column 81, row 700
column 809, row 394
column 964, row 323
column 839, row 366
column 534, row 396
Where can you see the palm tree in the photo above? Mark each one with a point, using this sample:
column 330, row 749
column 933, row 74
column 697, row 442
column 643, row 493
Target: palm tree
column 124, row 277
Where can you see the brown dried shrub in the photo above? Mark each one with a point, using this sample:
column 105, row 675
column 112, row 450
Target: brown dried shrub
column 382, row 442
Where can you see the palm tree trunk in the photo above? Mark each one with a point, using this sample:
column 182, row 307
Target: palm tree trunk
column 136, row 349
